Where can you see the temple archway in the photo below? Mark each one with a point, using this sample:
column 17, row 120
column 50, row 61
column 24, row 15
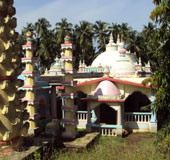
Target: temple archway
column 135, row 101
column 106, row 114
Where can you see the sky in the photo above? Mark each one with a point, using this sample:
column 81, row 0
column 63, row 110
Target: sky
column 134, row 12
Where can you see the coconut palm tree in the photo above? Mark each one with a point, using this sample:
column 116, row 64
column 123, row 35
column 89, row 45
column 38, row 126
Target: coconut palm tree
column 133, row 42
column 101, row 35
column 115, row 30
column 62, row 29
column 84, row 40
column 45, row 44
column 41, row 27
column 124, row 31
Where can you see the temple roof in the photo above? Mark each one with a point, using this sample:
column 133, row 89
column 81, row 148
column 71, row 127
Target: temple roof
column 113, row 80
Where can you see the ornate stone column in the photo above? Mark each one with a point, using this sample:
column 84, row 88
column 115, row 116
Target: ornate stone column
column 12, row 110
column 30, row 85
column 69, row 120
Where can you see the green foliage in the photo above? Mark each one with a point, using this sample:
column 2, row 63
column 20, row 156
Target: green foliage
column 37, row 155
column 89, row 40
column 162, row 54
column 163, row 140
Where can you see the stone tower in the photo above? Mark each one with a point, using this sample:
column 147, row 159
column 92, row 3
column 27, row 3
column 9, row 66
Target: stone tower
column 12, row 110
column 30, row 85
column 69, row 110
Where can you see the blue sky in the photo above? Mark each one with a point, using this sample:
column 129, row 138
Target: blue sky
column 134, row 12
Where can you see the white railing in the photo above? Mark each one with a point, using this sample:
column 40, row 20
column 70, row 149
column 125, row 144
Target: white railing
column 105, row 131
column 137, row 117
column 82, row 115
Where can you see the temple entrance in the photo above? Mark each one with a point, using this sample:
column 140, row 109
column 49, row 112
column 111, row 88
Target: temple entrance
column 136, row 101
column 107, row 115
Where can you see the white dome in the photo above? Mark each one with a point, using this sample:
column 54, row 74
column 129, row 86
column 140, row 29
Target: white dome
column 121, row 65
column 106, row 58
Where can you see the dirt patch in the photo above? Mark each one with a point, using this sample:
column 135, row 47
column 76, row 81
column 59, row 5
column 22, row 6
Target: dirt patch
column 134, row 139
column 133, row 142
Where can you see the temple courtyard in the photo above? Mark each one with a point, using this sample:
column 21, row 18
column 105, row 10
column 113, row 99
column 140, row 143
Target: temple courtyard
column 139, row 146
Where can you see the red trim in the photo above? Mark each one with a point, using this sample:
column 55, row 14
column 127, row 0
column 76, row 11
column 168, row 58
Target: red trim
column 113, row 80
column 30, row 86
column 66, row 57
column 28, row 44
column 103, row 100
column 32, row 58
column 68, row 69
column 60, row 87
column 29, row 72
column 29, row 100
column 66, row 44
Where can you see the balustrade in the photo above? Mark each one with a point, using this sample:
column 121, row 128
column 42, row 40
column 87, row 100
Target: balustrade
column 137, row 117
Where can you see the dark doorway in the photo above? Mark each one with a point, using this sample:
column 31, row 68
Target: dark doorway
column 135, row 101
column 107, row 114
column 82, row 105
column 59, row 104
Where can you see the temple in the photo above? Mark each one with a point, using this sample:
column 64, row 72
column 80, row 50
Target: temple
column 109, row 93
column 107, row 97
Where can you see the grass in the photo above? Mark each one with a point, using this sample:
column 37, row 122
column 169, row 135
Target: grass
column 137, row 146
column 134, row 147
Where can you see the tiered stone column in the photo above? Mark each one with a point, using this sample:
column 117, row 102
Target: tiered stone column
column 30, row 85
column 12, row 113
column 69, row 110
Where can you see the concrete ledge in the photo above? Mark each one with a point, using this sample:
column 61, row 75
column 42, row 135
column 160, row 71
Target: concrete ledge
column 83, row 142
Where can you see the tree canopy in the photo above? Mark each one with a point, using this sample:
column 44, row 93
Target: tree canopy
column 89, row 39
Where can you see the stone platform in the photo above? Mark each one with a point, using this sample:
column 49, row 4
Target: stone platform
column 82, row 142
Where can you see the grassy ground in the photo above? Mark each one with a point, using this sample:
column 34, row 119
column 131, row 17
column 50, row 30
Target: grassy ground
column 133, row 147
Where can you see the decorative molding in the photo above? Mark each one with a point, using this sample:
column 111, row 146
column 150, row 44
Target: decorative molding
column 29, row 60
